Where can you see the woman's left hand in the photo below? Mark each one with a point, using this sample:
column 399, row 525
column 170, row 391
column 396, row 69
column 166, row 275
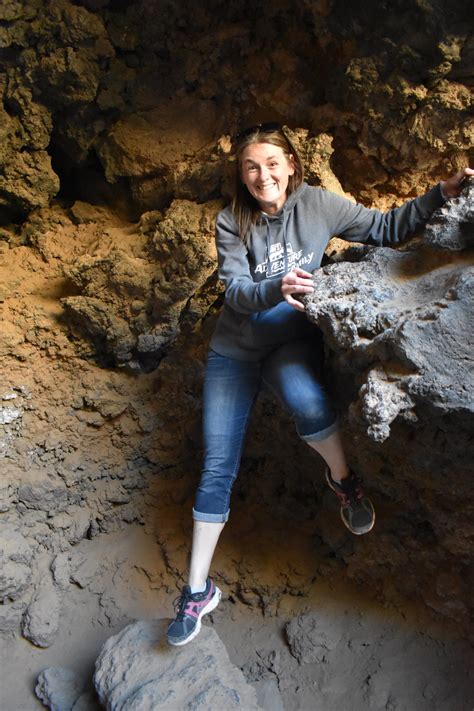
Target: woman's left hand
column 298, row 281
column 452, row 186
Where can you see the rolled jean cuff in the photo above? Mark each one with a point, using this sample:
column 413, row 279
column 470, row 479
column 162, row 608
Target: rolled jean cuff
column 210, row 517
column 322, row 434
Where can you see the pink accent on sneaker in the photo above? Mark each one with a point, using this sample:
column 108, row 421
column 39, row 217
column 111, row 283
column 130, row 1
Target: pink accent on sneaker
column 190, row 611
column 194, row 607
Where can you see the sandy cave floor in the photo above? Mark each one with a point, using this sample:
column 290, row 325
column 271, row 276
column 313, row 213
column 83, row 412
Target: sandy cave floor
column 373, row 657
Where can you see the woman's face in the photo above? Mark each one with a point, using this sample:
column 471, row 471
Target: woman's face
column 265, row 170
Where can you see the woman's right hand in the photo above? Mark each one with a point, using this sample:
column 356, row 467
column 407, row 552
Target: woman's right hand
column 296, row 282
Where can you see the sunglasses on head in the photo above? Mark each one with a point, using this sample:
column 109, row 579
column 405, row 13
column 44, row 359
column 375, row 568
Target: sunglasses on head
column 257, row 128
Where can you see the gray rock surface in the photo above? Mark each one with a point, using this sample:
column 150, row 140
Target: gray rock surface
column 59, row 688
column 311, row 638
column 16, row 556
column 452, row 226
column 138, row 671
column 400, row 323
column 41, row 619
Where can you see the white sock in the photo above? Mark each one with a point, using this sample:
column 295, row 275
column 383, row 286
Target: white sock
column 198, row 588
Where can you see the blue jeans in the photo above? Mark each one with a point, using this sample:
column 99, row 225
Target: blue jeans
column 292, row 371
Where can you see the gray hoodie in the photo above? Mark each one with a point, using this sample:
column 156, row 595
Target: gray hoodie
column 255, row 318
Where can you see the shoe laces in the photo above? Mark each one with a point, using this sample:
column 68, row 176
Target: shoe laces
column 181, row 602
column 351, row 490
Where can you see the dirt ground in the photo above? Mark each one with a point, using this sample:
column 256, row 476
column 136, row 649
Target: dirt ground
column 351, row 654
column 93, row 478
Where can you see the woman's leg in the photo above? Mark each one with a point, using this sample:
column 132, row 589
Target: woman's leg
column 230, row 388
column 205, row 537
column 332, row 451
column 293, row 372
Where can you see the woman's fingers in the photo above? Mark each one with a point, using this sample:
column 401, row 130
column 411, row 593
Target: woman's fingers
column 298, row 287
column 293, row 302
column 453, row 185
column 302, row 273
column 298, row 281
column 297, row 278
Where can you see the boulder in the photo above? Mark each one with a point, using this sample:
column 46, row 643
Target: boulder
column 398, row 320
column 59, row 688
column 138, row 671
column 41, row 619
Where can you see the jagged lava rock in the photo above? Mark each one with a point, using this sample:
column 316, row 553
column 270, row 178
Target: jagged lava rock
column 138, row 671
column 131, row 307
column 398, row 323
column 452, row 225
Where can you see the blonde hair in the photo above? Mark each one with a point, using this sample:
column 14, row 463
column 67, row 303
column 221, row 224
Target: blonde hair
column 246, row 209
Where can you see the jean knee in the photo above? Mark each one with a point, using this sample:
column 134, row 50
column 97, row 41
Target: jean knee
column 213, row 493
column 317, row 416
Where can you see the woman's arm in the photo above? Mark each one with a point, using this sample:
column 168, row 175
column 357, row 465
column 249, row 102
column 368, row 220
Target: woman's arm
column 241, row 292
column 360, row 224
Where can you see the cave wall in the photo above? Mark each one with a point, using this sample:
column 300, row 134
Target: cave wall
column 116, row 126
column 139, row 93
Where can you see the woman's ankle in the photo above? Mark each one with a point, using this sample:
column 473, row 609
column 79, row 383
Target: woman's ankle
column 340, row 474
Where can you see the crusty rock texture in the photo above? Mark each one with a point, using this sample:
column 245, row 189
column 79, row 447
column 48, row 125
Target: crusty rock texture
column 139, row 93
column 138, row 671
column 399, row 328
column 403, row 322
column 131, row 305
column 41, row 619
column 61, row 690
column 116, row 121
column 451, row 227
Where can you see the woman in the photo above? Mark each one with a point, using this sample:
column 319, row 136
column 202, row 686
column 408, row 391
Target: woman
column 275, row 226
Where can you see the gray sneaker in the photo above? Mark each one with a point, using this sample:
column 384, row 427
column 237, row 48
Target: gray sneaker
column 357, row 512
column 190, row 609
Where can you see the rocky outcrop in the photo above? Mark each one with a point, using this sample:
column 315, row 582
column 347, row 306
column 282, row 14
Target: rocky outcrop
column 60, row 689
column 129, row 102
column 137, row 670
column 41, row 619
column 392, row 319
column 452, row 226
column 131, row 305
column 397, row 327
column 16, row 556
